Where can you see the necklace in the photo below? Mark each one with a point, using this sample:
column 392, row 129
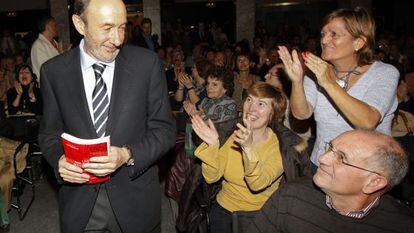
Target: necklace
column 344, row 80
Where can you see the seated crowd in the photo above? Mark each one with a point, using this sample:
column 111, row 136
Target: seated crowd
column 244, row 107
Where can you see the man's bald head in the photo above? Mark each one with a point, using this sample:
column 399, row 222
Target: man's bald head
column 383, row 154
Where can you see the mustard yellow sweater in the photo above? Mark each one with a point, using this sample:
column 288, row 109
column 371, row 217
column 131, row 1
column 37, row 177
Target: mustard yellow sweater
column 247, row 184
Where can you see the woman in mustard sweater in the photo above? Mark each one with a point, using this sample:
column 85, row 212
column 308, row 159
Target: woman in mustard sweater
column 249, row 162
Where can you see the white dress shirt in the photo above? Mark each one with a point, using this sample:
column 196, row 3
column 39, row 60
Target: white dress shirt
column 42, row 50
column 89, row 79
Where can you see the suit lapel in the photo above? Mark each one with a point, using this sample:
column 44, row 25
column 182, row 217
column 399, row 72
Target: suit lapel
column 75, row 85
column 120, row 88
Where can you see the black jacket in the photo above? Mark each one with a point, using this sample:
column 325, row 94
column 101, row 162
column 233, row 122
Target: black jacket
column 139, row 116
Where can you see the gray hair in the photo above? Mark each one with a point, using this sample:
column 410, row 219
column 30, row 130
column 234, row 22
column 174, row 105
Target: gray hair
column 393, row 160
column 390, row 158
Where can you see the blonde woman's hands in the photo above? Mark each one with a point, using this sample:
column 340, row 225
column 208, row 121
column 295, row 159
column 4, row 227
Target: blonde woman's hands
column 322, row 70
column 206, row 131
column 292, row 65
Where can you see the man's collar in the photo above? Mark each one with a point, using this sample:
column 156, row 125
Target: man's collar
column 87, row 60
column 358, row 214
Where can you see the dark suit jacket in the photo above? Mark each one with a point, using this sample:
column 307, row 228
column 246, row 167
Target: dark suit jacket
column 139, row 116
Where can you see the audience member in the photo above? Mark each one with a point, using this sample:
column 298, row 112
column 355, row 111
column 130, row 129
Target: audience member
column 250, row 161
column 25, row 96
column 349, row 193
column 201, row 35
column 398, row 59
column 402, row 124
column 10, row 69
column 144, row 37
column 169, row 58
column 220, row 59
column 273, row 77
column 8, row 43
column 194, row 85
column 45, row 47
column 172, row 76
column 270, row 60
column 351, row 90
column 243, row 79
column 4, row 86
column 405, row 101
column 210, row 55
column 19, row 59
column 222, row 39
column 217, row 105
column 196, row 55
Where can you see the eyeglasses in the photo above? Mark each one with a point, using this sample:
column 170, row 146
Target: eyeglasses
column 339, row 157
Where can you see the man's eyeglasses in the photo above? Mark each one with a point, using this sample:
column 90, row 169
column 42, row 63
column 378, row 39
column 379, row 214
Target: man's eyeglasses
column 339, row 157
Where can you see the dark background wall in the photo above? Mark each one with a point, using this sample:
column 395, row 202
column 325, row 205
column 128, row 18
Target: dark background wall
column 394, row 15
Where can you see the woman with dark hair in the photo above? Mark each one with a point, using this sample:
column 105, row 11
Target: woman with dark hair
column 217, row 105
column 25, row 95
column 351, row 89
column 249, row 163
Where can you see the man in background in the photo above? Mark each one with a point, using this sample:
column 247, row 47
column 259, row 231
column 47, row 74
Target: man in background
column 144, row 37
column 45, row 47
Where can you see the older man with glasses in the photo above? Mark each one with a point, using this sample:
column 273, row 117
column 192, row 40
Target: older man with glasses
column 348, row 192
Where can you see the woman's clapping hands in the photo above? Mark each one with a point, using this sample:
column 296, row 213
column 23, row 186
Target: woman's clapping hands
column 322, row 69
column 206, row 131
column 244, row 135
column 292, row 65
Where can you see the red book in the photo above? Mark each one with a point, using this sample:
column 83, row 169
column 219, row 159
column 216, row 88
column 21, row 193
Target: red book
column 79, row 151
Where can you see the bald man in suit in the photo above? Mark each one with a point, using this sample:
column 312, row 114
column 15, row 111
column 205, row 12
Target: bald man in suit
column 138, row 120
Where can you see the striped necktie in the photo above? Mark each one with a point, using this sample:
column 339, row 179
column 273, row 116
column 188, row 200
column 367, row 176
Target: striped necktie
column 100, row 100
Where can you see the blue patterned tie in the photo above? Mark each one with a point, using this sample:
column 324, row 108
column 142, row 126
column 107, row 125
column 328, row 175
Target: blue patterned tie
column 100, row 100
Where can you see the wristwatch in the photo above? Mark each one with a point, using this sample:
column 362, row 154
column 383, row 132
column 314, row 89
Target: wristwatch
column 130, row 161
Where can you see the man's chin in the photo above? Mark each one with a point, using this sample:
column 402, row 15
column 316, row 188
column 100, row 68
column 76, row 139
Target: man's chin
column 319, row 176
column 110, row 57
column 107, row 57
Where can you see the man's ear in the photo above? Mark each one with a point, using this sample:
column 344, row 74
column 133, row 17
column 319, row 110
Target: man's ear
column 374, row 184
column 79, row 24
